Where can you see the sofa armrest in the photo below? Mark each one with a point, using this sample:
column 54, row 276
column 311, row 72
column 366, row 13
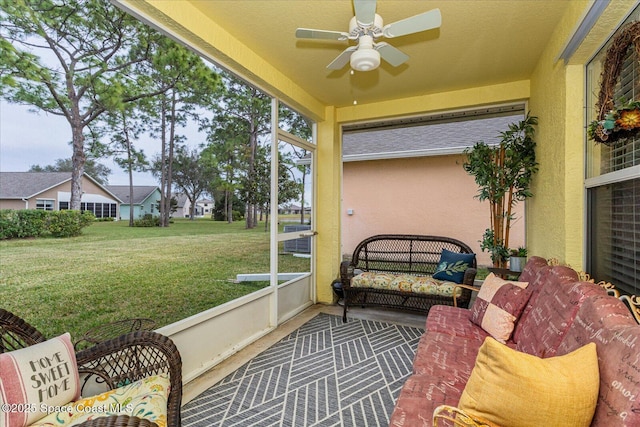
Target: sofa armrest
column 455, row 288
column 456, row 416
column 134, row 356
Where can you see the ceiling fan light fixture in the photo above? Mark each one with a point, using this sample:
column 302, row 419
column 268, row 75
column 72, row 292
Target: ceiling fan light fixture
column 365, row 28
column 365, row 59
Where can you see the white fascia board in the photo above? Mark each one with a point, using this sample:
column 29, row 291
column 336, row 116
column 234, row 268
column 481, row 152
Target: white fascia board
column 404, row 154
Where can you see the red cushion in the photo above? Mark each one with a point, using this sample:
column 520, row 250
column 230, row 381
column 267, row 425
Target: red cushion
column 607, row 322
column 455, row 321
column 420, row 395
column 541, row 332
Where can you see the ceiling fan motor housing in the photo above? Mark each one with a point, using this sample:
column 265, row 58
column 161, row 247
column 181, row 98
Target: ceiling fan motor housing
column 365, row 59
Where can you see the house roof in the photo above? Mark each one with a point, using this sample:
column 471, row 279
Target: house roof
column 181, row 198
column 140, row 192
column 439, row 138
column 24, row 185
column 18, row 185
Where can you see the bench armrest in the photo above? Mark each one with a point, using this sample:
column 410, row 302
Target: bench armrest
column 469, row 276
column 346, row 273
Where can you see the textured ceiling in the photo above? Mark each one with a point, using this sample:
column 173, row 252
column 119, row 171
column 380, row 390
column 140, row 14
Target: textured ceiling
column 480, row 42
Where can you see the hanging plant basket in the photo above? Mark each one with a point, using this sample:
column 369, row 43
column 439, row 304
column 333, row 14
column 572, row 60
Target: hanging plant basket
column 616, row 123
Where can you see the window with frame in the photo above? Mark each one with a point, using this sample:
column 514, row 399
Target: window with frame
column 613, row 185
column 45, row 204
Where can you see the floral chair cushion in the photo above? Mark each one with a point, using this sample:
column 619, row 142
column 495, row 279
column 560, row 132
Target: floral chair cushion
column 406, row 282
column 146, row 398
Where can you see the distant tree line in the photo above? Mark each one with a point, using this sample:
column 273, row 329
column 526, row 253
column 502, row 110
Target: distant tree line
column 115, row 80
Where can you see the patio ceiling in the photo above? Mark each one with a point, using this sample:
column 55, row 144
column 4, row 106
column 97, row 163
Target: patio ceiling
column 480, row 43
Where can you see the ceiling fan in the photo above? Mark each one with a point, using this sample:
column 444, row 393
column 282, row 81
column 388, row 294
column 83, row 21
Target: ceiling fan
column 366, row 27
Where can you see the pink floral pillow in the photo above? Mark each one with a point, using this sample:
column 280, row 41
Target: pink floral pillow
column 498, row 306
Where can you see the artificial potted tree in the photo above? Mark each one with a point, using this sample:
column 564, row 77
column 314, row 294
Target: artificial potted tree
column 503, row 173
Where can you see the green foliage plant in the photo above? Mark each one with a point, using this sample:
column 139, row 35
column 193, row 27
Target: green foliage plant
column 504, row 174
column 520, row 252
column 30, row 223
column 68, row 223
column 147, row 220
column 23, row 223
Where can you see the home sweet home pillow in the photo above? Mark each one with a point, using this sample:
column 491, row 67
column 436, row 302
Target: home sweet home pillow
column 36, row 378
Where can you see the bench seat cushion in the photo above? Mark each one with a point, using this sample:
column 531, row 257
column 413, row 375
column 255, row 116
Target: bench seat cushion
column 146, row 398
column 406, row 283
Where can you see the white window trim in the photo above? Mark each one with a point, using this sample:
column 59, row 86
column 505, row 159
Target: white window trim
column 613, row 177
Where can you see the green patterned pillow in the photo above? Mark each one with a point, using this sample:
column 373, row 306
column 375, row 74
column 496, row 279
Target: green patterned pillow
column 452, row 266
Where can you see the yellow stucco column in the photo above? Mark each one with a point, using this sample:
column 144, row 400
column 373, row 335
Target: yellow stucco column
column 574, row 168
column 328, row 202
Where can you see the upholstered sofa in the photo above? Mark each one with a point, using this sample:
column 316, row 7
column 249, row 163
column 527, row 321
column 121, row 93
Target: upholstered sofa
column 571, row 358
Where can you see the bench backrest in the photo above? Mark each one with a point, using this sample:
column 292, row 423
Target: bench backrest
column 404, row 253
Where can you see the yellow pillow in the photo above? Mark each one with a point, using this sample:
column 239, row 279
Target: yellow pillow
column 515, row 389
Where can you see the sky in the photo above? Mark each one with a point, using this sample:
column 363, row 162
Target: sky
column 37, row 138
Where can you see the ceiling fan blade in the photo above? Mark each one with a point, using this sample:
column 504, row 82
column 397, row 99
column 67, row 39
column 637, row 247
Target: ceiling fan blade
column 308, row 33
column 392, row 55
column 365, row 11
column 342, row 59
column 415, row 24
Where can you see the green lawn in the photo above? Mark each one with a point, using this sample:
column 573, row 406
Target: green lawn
column 114, row 272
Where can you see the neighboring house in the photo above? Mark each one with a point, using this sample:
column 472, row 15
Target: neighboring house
column 145, row 200
column 204, row 207
column 294, row 210
column 410, row 180
column 182, row 209
column 51, row 191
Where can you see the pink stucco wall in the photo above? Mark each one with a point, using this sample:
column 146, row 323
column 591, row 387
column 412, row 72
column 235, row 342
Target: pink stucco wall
column 424, row 195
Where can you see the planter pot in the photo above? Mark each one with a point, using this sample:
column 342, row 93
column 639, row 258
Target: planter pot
column 517, row 263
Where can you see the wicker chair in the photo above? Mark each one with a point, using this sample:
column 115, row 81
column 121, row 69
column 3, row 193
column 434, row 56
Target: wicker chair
column 113, row 362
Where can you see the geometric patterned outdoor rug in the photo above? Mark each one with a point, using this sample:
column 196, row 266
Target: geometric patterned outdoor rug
column 326, row 373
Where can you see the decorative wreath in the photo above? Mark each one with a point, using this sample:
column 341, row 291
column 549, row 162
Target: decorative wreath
column 615, row 124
